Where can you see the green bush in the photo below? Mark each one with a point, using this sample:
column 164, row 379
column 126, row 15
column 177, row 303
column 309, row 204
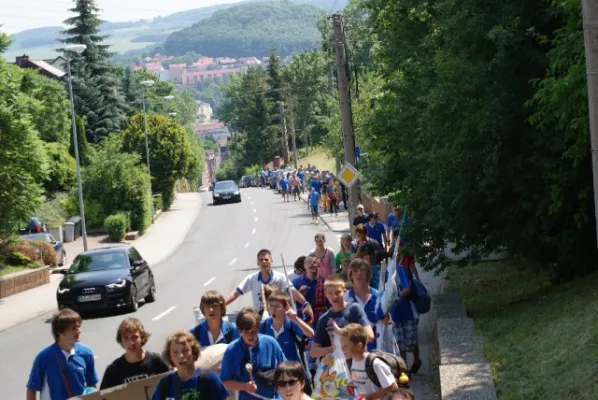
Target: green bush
column 115, row 180
column 61, row 168
column 157, row 199
column 117, row 226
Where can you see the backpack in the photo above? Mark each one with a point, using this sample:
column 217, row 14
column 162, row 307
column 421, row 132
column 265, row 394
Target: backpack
column 396, row 363
column 419, row 296
column 203, row 385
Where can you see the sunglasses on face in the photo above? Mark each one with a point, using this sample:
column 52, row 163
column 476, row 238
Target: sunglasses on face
column 290, row 382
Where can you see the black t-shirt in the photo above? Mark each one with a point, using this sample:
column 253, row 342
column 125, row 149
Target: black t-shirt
column 121, row 371
column 361, row 219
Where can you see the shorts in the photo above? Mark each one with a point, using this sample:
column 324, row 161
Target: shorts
column 296, row 190
column 284, row 191
column 406, row 334
column 314, row 210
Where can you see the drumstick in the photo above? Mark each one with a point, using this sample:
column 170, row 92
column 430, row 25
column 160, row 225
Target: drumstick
column 249, row 369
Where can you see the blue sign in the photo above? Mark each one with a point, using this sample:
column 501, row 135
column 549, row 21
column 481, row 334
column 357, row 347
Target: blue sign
column 357, row 155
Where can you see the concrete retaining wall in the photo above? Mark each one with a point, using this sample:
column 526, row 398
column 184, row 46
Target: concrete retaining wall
column 464, row 372
column 20, row 281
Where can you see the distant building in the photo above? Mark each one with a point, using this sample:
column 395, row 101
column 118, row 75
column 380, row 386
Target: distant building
column 250, row 61
column 226, row 61
column 193, row 77
column 213, row 130
column 43, row 67
column 175, row 72
column 223, row 149
column 204, row 62
column 204, row 111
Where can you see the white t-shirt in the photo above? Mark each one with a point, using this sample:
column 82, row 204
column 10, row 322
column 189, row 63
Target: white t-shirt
column 253, row 283
column 363, row 385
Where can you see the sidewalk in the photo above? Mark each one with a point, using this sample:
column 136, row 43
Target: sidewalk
column 158, row 243
column 425, row 383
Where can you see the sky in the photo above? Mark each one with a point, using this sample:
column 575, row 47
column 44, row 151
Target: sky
column 18, row 15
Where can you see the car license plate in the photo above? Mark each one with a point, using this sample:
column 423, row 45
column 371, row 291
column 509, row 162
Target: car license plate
column 226, row 197
column 90, row 297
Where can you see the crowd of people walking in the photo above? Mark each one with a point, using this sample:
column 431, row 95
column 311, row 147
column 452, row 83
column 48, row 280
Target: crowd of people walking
column 319, row 332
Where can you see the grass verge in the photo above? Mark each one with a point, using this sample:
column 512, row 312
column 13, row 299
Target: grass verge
column 540, row 338
column 317, row 157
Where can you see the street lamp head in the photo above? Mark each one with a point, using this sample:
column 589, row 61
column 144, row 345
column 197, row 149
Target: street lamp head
column 169, row 97
column 76, row 48
column 148, row 83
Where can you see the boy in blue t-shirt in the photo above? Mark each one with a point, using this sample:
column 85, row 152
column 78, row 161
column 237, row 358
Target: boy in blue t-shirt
column 313, row 198
column 376, row 230
column 260, row 352
column 214, row 329
column 66, row 366
column 284, row 326
column 181, row 352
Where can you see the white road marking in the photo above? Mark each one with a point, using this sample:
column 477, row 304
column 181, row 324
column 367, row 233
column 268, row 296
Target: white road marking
column 255, row 219
column 159, row 316
column 234, row 260
column 249, row 198
column 254, row 210
column 253, row 231
column 252, row 203
column 247, row 245
column 209, row 281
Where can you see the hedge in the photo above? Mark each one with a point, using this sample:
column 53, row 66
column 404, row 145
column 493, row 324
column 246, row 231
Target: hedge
column 117, row 226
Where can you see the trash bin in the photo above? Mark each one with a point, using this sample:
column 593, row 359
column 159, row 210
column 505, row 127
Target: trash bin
column 69, row 231
column 76, row 220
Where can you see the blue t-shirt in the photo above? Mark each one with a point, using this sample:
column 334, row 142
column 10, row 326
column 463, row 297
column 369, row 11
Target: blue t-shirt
column 201, row 333
column 301, row 175
column 314, row 199
column 284, row 184
column 352, row 313
column 79, row 368
column 264, row 356
column 190, row 389
column 393, row 223
column 404, row 310
column 316, row 185
column 371, row 308
column 310, row 294
column 376, row 232
column 285, row 339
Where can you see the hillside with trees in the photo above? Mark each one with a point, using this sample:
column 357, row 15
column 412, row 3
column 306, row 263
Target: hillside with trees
column 250, row 30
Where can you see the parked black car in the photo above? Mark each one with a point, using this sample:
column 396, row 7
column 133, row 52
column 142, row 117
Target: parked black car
column 107, row 278
column 46, row 237
column 226, row 191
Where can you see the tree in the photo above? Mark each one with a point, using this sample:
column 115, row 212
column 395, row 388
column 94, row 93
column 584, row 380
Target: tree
column 61, row 169
column 170, row 151
column 81, row 141
column 50, row 110
column 459, row 140
column 95, row 86
column 248, row 111
column 23, row 167
column 117, row 181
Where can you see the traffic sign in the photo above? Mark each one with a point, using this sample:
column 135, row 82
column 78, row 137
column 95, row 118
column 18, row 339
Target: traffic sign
column 348, row 175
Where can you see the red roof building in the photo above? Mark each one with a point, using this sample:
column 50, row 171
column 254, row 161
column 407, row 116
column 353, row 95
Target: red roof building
column 204, row 62
column 191, row 78
column 209, row 126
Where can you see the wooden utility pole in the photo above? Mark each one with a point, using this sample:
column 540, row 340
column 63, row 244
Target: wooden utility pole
column 590, row 28
column 344, row 99
column 285, row 138
column 292, row 126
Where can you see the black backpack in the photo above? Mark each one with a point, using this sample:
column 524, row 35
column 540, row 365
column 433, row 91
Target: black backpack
column 396, row 363
column 203, row 385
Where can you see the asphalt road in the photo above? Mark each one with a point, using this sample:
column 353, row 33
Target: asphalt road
column 218, row 252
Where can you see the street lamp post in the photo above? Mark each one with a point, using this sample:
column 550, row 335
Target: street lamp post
column 148, row 83
column 76, row 48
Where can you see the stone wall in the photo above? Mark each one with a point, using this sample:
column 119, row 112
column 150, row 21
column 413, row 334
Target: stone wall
column 20, row 281
column 372, row 203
